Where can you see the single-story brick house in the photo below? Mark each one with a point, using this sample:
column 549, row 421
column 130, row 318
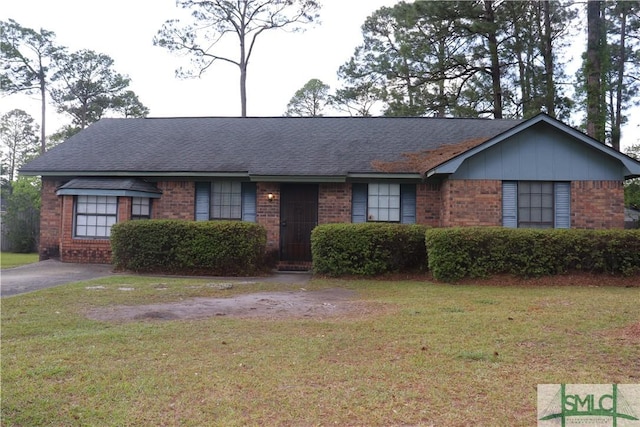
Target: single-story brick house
column 290, row 174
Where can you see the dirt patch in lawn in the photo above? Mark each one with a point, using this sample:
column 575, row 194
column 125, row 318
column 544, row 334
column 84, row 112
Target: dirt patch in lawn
column 632, row 332
column 302, row 304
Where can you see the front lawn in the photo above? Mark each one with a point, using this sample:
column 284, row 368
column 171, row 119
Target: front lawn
column 409, row 353
column 10, row 259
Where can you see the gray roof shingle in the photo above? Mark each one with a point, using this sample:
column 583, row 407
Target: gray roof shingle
column 126, row 184
column 320, row 146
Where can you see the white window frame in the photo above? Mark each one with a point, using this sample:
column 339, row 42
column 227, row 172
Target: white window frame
column 226, row 200
column 94, row 216
column 383, row 202
column 140, row 208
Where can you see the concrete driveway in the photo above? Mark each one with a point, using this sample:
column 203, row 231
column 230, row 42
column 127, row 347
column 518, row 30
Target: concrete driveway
column 45, row 274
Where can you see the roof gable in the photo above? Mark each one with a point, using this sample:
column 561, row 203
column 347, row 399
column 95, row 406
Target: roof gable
column 630, row 167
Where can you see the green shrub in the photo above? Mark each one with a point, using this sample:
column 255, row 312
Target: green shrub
column 189, row 247
column 455, row 253
column 367, row 249
column 21, row 222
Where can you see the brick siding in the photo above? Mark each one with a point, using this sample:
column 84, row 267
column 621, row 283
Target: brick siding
column 50, row 219
column 334, row 203
column 268, row 214
column 594, row 204
column 468, row 203
column 428, row 202
column 597, row 204
column 177, row 201
column 83, row 250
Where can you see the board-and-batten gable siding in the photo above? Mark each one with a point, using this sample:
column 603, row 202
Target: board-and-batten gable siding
column 540, row 153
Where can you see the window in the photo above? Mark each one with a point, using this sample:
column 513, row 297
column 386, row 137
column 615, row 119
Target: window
column 225, row 200
column 536, row 204
column 95, row 215
column 140, row 208
column 383, row 203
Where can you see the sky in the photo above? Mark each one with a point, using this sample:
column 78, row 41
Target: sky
column 281, row 64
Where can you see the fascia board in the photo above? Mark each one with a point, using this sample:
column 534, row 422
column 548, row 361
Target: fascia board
column 154, row 174
column 296, row 178
column 386, row 176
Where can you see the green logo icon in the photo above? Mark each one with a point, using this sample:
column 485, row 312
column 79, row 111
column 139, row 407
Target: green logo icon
column 588, row 404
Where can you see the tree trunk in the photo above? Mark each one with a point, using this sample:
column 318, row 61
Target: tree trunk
column 43, row 110
column 442, row 95
column 243, row 70
column 495, row 60
column 83, row 115
column 547, row 55
column 523, row 76
column 243, row 89
column 616, row 124
column 595, row 128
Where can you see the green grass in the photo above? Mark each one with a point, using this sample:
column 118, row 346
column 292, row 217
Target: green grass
column 426, row 355
column 9, row 259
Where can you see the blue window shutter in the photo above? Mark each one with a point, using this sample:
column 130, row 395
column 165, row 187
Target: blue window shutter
column 510, row 204
column 562, row 191
column 408, row 203
column 249, row 201
column 202, row 201
column 359, row 194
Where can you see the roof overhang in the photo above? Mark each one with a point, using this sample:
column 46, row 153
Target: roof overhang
column 236, row 175
column 146, row 174
column 632, row 166
column 124, row 187
column 297, row 178
column 385, row 176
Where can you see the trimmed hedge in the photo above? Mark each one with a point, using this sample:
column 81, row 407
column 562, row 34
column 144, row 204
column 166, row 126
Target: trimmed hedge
column 189, row 247
column 367, row 249
column 455, row 253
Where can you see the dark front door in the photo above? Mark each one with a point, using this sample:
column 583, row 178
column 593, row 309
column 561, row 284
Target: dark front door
column 298, row 216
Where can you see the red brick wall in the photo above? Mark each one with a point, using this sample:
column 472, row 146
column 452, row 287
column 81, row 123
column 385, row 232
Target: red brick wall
column 50, row 219
column 428, row 202
column 85, row 250
column 268, row 214
column 597, row 204
column 467, row 203
column 334, row 203
column 177, row 201
column 594, row 204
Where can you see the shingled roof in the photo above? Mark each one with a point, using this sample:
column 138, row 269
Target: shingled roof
column 266, row 146
column 123, row 185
